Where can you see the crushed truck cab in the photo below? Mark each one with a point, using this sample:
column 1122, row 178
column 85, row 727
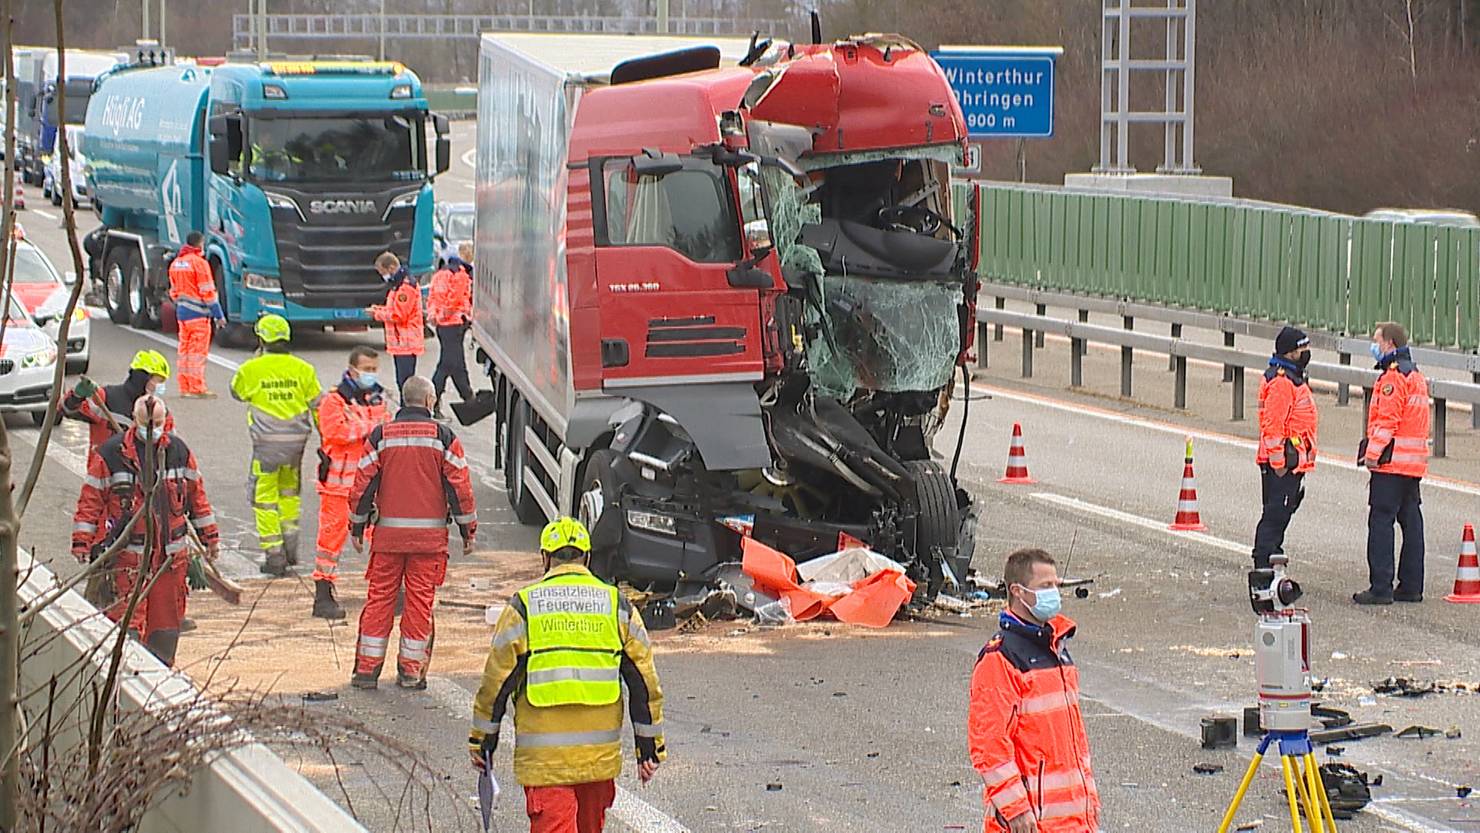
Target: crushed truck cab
column 720, row 291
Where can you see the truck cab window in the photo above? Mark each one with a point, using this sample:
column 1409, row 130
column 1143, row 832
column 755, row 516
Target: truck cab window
column 688, row 211
column 336, row 149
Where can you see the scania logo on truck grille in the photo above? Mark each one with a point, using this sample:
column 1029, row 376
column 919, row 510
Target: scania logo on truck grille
column 341, row 207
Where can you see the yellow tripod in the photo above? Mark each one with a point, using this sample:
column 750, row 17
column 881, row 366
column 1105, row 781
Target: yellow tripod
column 1302, row 778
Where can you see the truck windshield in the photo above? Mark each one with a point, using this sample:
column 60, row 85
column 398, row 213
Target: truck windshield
column 337, row 149
column 688, row 211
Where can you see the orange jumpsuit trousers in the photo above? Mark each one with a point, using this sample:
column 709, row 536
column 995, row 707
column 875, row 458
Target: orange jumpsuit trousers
column 195, row 342
column 573, row 808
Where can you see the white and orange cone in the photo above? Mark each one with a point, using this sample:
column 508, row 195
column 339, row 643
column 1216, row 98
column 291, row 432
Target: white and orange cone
column 1017, row 459
column 1188, row 519
column 1467, row 575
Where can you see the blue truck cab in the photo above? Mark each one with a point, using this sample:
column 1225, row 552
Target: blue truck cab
column 299, row 173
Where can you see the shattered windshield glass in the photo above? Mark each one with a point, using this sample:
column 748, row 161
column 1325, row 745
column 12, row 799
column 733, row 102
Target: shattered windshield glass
column 884, row 335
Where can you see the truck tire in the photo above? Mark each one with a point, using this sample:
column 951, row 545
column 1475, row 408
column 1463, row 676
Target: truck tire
column 229, row 333
column 598, row 508
column 117, row 297
column 938, row 524
column 146, row 308
column 525, row 508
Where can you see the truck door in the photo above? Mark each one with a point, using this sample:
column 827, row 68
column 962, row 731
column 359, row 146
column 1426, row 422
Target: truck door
column 665, row 246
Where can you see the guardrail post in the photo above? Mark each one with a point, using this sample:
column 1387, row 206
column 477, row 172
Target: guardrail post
column 1076, row 362
column 1171, row 359
column 1475, row 406
column 1041, row 310
column 1027, row 353
column 1441, row 426
column 1179, row 395
column 1366, row 406
column 1343, row 390
column 981, row 344
column 1127, row 355
column 1084, row 344
column 1229, row 372
column 1000, row 303
column 1238, row 394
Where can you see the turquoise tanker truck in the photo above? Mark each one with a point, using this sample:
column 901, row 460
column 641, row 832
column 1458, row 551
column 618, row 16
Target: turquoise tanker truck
column 298, row 173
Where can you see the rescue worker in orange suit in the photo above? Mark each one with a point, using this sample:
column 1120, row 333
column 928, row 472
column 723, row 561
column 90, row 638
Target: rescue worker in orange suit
column 1287, row 441
column 405, row 338
column 1396, row 452
column 451, row 308
column 119, row 476
column 193, row 289
column 412, row 478
column 563, row 648
column 347, row 415
column 1026, row 734
column 112, row 412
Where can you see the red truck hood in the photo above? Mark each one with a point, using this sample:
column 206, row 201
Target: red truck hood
column 875, row 93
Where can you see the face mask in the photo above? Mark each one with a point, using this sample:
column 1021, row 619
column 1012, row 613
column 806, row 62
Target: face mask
column 1302, row 361
column 1376, row 352
column 366, row 381
column 147, row 434
column 1047, row 603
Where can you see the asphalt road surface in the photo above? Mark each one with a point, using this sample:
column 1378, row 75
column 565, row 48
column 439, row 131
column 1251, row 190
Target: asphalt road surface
column 824, row 728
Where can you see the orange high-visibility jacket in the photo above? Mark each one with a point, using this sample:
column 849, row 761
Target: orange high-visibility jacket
column 114, row 490
column 1398, row 420
column 1025, row 731
column 346, row 417
column 193, row 286
column 401, row 314
column 1287, row 422
column 451, row 300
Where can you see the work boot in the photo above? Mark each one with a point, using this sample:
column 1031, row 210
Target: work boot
column 413, row 682
column 290, row 549
column 364, row 682
column 187, row 625
column 1367, row 597
column 276, row 564
column 325, row 606
column 1402, row 595
column 437, row 411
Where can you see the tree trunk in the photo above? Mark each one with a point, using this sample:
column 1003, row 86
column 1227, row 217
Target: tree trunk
column 9, row 526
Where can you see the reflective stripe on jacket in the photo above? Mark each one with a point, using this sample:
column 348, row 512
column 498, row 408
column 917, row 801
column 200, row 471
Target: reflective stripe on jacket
column 414, row 477
column 1025, row 731
column 574, row 744
column 1287, row 422
column 575, row 646
column 401, row 314
column 193, row 286
column 346, row 418
column 282, row 391
column 114, row 487
column 1398, row 420
column 450, row 303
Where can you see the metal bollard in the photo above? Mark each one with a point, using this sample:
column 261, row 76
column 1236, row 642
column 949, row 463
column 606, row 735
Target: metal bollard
column 1042, row 310
column 1127, row 355
column 1441, row 426
column 1343, row 390
column 1172, row 360
column 1179, row 395
column 1229, row 370
column 1238, row 394
column 1027, row 353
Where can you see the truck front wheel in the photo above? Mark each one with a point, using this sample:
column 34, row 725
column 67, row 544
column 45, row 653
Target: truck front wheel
column 525, row 508
column 599, row 509
column 117, row 297
column 229, row 333
column 146, row 308
column 938, row 524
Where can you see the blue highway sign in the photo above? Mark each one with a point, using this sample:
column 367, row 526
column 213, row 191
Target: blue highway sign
column 1004, row 93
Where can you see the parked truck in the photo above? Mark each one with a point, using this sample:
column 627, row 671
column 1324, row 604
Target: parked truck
column 721, row 291
column 82, row 71
column 298, row 172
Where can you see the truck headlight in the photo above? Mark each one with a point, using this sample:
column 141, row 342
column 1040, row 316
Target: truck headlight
column 40, row 358
column 262, row 283
column 652, row 522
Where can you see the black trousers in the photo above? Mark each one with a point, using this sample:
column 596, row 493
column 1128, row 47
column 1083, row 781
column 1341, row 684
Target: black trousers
column 452, row 362
column 1394, row 498
column 405, row 369
column 1282, row 496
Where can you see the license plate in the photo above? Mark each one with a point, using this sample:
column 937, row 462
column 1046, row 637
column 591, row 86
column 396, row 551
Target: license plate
column 346, row 313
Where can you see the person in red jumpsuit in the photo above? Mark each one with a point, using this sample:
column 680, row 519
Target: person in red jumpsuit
column 412, row 479
column 121, row 474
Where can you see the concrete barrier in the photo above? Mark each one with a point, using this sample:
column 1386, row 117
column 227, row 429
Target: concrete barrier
column 246, row 790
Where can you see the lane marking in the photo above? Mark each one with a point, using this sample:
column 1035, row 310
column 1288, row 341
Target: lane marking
column 41, row 212
column 164, row 339
column 470, row 158
column 638, row 815
column 1463, row 487
column 1137, row 520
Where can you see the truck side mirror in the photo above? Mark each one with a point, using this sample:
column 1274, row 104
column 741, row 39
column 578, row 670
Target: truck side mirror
column 226, row 142
column 444, row 154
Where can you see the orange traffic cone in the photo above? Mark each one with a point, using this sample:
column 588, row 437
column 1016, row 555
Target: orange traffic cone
column 1188, row 519
column 1467, row 575
column 1017, row 459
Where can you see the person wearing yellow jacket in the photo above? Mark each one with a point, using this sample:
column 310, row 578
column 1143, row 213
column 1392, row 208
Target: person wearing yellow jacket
column 281, row 392
column 562, row 649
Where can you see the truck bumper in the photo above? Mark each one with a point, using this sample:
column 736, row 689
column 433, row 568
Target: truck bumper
column 254, row 304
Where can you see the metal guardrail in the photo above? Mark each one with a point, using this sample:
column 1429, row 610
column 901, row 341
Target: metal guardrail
column 1330, row 272
column 1234, row 361
column 300, row 27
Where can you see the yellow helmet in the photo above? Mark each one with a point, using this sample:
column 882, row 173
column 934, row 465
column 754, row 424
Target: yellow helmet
column 565, row 532
column 152, row 362
column 272, row 328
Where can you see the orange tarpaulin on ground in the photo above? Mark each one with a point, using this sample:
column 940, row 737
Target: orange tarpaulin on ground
column 872, row 603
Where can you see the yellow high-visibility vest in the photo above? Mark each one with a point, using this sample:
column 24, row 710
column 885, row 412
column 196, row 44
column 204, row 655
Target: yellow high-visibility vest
column 575, row 643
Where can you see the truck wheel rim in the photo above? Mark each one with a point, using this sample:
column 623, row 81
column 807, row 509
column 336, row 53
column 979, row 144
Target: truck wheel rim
column 592, row 505
column 115, row 286
column 136, row 292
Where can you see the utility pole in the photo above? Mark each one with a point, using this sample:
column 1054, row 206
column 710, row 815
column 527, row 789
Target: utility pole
column 164, row 23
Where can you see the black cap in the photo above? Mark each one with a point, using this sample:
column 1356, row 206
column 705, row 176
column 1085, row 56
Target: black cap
column 1289, row 340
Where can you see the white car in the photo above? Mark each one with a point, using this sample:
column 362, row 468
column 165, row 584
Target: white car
column 28, row 358
column 51, row 179
column 44, row 291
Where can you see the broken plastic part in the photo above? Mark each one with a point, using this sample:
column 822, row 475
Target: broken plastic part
column 774, row 614
column 889, row 336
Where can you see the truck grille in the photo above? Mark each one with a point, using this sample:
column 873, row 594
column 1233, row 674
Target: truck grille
column 333, row 265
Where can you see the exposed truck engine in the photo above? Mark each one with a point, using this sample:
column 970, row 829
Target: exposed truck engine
column 721, row 290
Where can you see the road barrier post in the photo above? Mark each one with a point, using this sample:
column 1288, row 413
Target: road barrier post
column 1084, row 344
column 1179, row 364
column 1077, row 348
column 1027, row 353
column 1041, row 309
column 1229, row 373
column 1238, row 392
column 981, row 344
column 1441, row 424
column 1127, row 355
column 1001, row 303
column 1475, row 409
column 1172, row 360
column 1343, row 390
